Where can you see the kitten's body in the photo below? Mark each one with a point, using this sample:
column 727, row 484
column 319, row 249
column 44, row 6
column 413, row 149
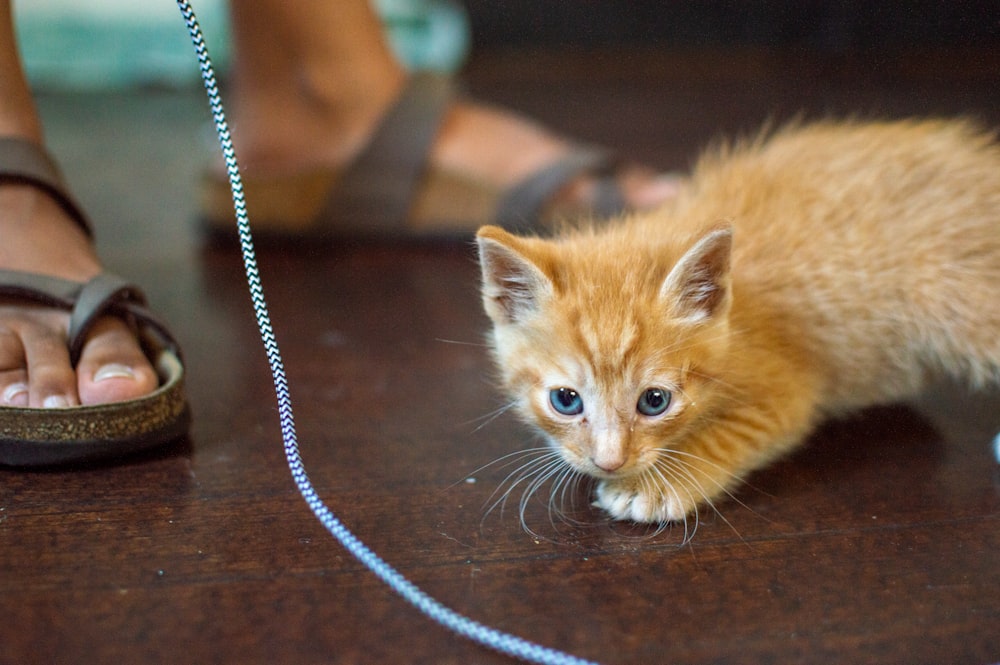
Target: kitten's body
column 828, row 268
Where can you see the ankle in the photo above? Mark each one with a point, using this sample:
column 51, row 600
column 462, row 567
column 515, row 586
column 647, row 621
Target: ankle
column 40, row 237
column 21, row 126
column 310, row 121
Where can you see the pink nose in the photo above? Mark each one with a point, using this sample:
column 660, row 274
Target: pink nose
column 608, row 464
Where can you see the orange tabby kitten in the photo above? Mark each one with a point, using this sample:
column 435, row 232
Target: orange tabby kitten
column 800, row 276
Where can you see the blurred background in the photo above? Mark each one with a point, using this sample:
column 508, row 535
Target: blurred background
column 103, row 44
column 117, row 80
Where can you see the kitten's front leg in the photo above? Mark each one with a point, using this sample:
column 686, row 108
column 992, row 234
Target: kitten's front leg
column 643, row 499
column 703, row 468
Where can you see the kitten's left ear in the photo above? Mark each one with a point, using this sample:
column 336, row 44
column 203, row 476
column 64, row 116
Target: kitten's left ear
column 698, row 287
column 514, row 286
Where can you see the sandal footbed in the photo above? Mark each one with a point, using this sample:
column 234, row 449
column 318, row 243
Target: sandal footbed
column 33, row 437
column 39, row 437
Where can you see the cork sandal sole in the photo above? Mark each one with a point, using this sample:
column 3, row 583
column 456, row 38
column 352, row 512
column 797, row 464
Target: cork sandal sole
column 38, row 437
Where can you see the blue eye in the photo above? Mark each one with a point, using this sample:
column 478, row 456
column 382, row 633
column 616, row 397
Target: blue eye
column 654, row 402
column 566, row 401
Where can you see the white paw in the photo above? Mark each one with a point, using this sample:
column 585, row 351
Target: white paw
column 624, row 501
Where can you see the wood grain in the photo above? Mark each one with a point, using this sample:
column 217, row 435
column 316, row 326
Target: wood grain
column 876, row 544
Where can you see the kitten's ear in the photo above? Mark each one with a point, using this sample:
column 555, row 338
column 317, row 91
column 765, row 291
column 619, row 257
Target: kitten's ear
column 698, row 287
column 513, row 284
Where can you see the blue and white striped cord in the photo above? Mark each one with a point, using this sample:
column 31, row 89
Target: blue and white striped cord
column 484, row 635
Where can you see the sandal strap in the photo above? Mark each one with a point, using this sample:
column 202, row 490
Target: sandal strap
column 378, row 188
column 105, row 294
column 522, row 205
column 23, row 161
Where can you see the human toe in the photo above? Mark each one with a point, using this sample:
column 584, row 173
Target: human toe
column 13, row 377
column 13, row 389
column 35, row 369
column 112, row 365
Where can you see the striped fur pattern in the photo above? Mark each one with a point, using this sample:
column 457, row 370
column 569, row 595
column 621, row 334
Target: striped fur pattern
column 800, row 275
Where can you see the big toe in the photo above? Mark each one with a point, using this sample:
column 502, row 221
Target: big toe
column 112, row 365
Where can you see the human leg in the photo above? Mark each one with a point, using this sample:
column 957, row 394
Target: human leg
column 313, row 80
column 39, row 237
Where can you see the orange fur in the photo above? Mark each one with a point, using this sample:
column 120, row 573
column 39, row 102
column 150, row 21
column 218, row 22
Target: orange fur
column 801, row 275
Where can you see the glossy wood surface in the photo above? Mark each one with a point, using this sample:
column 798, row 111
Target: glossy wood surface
column 877, row 543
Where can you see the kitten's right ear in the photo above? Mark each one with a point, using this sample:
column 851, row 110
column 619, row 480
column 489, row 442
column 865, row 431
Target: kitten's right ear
column 513, row 285
column 699, row 286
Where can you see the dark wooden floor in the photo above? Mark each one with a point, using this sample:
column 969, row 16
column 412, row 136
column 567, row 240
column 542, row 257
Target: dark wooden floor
column 876, row 544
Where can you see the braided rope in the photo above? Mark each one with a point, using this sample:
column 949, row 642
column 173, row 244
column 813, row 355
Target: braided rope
column 484, row 635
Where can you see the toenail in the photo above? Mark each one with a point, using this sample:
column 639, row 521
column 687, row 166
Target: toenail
column 113, row 371
column 55, row 402
column 13, row 391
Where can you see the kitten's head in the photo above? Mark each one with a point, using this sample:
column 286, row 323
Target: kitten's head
column 609, row 343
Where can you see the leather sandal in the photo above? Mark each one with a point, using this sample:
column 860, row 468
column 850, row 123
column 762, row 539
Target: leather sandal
column 390, row 191
column 37, row 437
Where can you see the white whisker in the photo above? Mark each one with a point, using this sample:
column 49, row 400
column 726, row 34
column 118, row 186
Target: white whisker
column 491, row 416
column 526, row 470
column 516, row 454
column 684, row 470
column 543, row 477
column 670, row 487
column 461, row 343
column 738, row 479
column 566, row 482
column 541, row 465
column 532, row 470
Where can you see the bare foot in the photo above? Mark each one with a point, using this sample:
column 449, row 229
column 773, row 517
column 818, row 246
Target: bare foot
column 35, row 369
column 495, row 145
column 488, row 144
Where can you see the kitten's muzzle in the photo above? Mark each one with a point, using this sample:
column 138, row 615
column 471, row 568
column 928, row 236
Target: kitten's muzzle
column 608, row 464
